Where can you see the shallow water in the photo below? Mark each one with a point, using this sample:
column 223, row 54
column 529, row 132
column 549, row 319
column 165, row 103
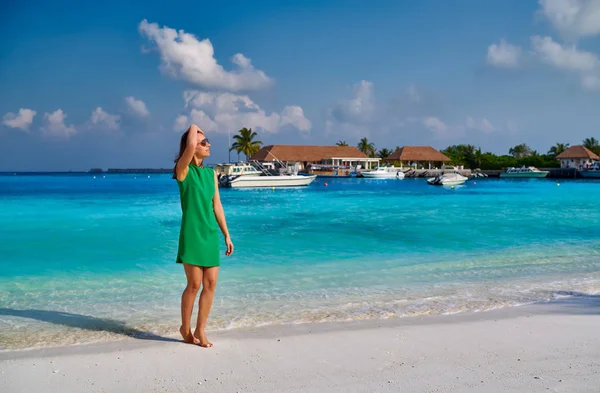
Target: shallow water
column 86, row 259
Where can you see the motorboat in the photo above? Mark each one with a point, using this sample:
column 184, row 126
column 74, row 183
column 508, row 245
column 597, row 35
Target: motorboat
column 238, row 169
column 479, row 173
column 592, row 171
column 280, row 175
column 384, row 172
column 447, row 179
column 524, row 172
column 268, row 181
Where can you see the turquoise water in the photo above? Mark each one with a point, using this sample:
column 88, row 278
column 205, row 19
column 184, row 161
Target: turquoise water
column 85, row 259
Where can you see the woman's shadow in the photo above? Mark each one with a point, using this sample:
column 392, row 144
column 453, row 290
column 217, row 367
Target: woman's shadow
column 85, row 322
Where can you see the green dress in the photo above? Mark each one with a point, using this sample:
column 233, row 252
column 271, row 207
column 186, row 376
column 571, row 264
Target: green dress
column 198, row 237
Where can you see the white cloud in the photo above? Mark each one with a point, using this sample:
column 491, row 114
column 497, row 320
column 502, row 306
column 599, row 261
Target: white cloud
column 181, row 123
column 504, row 55
column 241, row 60
column 436, row 125
column 414, row 95
column 184, row 56
column 348, row 130
column 197, row 98
column 412, row 113
column 566, row 57
column 590, row 82
column 357, row 110
column 203, row 120
column 222, row 112
column 21, row 120
column 100, row 117
column 573, row 18
column 483, row 125
column 137, row 106
column 54, row 125
column 443, row 130
column 294, row 115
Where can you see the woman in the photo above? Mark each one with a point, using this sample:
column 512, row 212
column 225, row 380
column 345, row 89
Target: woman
column 198, row 238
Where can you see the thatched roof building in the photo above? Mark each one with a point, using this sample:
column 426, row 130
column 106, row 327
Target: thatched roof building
column 417, row 154
column 577, row 157
column 306, row 155
column 300, row 153
column 575, row 152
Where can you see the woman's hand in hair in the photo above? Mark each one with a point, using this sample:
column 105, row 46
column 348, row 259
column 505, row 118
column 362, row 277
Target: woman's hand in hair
column 192, row 138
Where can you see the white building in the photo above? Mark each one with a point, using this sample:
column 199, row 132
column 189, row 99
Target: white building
column 306, row 156
column 577, row 157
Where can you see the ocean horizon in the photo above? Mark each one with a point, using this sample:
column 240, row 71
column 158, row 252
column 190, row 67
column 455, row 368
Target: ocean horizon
column 91, row 257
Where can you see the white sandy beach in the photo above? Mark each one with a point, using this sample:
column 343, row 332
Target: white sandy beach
column 541, row 348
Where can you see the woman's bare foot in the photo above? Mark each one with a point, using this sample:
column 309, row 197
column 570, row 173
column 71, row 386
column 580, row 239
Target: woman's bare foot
column 202, row 340
column 188, row 337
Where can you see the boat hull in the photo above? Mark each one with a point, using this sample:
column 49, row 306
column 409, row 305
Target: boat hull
column 383, row 175
column 447, row 183
column 271, row 181
column 525, row 175
column 449, row 179
column 379, row 175
column 590, row 174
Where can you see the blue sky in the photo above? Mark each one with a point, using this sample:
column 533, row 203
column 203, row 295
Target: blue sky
column 113, row 85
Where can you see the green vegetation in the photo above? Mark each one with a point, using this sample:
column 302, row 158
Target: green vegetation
column 366, row 147
column 472, row 157
column 245, row 143
column 468, row 156
column 520, row 155
column 384, row 153
column 592, row 144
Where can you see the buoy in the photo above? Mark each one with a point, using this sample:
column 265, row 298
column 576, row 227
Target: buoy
column 474, row 182
column 325, row 184
column 272, row 188
column 557, row 184
column 452, row 187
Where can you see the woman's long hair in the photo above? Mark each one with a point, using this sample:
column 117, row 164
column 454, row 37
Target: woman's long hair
column 182, row 147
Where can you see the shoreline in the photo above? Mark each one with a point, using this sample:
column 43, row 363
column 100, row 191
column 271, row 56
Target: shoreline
column 120, row 339
column 531, row 348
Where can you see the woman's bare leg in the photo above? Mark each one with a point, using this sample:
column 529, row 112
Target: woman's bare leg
column 209, row 284
column 188, row 298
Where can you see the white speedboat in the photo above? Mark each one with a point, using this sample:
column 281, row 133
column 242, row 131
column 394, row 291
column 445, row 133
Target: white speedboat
column 239, row 169
column 384, row 173
column 591, row 172
column 447, row 179
column 268, row 181
column 524, row 172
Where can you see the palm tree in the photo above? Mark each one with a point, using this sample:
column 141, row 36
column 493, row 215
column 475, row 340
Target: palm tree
column 520, row 151
column 558, row 148
column 592, row 144
column 245, row 143
column 341, row 143
column 384, row 153
column 478, row 157
column 366, row 147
